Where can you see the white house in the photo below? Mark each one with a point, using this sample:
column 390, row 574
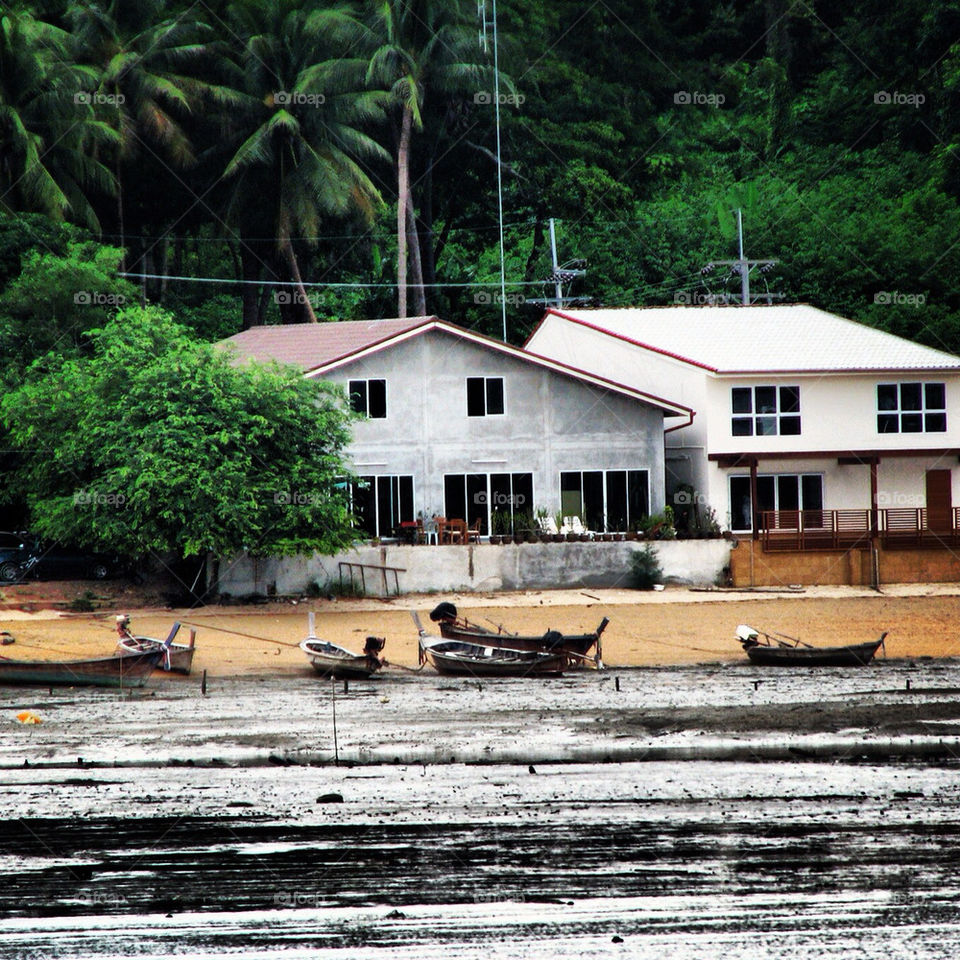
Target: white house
column 802, row 418
column 457, row 424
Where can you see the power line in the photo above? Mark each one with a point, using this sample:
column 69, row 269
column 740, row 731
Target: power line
column 320, row 283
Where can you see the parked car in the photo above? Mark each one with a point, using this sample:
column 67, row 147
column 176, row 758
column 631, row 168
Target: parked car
column 54, row 561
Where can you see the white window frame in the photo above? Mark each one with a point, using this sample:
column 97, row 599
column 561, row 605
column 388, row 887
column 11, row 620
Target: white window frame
column 776, row 493
column 367, row 380
column 485, row 378
column 923, row 412
column 778, row 416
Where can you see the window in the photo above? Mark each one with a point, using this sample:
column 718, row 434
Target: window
column 607, row 500
column 369, row 398
column 484, row 396
column 911, row 408
column 381, row 504
column 765, row 411
column 491, row 498
column 775, row 491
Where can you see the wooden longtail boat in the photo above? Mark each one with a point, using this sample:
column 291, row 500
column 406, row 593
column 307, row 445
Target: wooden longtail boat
column 575, row 646
column 176, row 657
column 131, row 670
column 331, row 660
column 776, row 651
column 464, row 658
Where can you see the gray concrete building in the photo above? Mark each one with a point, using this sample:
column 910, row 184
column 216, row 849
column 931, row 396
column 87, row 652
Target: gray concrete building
column 460, row 425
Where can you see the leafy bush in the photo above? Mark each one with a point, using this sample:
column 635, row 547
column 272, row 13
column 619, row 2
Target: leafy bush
column 646, row 569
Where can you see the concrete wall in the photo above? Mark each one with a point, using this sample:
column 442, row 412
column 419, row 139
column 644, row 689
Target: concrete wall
column 551, row 423
column 526, row 566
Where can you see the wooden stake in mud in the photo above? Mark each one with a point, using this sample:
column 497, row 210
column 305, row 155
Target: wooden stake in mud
column 203, row 683
column 333, row 698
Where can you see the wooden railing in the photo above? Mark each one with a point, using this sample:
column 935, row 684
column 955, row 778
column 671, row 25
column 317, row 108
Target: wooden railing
column 847, row 529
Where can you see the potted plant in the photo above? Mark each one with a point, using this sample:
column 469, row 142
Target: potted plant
column 500, row 523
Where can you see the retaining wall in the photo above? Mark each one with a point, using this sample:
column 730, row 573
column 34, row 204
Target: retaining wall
column 751, row 566
column 480, row 567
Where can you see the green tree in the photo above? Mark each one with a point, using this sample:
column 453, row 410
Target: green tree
column 49, row 136
column 299, row 132
column 155, row 443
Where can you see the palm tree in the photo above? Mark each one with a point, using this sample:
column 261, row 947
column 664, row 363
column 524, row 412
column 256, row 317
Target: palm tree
column 299, row 134
column 49, row 135
column 425, row 47
column 147, row 79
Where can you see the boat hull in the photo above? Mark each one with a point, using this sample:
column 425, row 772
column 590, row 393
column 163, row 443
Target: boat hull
column 329, row 660
column 131, row 670
column 464, row 659
column 855, row 655
column 180, row 658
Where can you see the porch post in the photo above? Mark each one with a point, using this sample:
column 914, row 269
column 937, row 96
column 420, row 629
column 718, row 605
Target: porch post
column 874, row 494
column 753, row 499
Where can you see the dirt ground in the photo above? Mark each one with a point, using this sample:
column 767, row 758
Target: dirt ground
column 676, row 626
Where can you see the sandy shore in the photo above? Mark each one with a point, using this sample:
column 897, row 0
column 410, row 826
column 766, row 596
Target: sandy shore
column 676, row 626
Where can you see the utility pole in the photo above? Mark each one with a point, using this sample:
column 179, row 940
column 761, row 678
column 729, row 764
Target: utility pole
column 743, row 266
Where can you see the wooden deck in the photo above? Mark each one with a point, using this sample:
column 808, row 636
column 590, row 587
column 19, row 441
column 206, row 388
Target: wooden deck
column 907, row 527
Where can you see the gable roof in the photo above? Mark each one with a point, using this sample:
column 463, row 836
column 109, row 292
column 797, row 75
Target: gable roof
column 318, row 348
column 795, row 338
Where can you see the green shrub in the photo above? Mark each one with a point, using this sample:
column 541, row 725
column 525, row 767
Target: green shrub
column 645, row 566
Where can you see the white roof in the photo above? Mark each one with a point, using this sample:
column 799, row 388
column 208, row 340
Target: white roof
column 768, row 339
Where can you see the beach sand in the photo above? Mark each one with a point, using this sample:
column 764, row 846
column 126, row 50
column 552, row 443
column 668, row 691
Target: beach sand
column 676, row 626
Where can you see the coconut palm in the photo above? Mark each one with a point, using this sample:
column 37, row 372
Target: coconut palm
column 147, row 81
column 424, row 48
column 49, row 135
column 300, row 133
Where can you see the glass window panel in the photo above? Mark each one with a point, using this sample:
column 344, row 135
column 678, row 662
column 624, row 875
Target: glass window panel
column 888, row 423
column 358, row 396
column 790, row 426
column 766, row 493
column 522, row 493
column 500, row 495
column 789, row 399
column 638, row 496
column 740, row 503
column 364, row 507
column 766, row 426
column 910, row 396
column 788, row 492
column 811, row 487
column 935, row 396
column 478, row 496
column 571, row 501
column 593, row 499
column 742, row 398
column 384, row 507
column 742, row 427
column 476, row 398
column 887, row 396
column 494, row 395
column 406, row 499
column 766, row 399
column 454, row 495
column 911, row 423
column 376, row 399
column 935, row 422
column 616, row 500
